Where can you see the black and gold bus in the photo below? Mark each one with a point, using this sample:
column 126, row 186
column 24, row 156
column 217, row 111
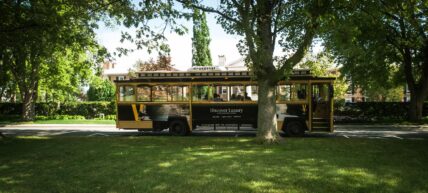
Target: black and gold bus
column 182, row 101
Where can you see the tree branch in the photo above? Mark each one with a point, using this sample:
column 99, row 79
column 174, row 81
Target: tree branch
column 208, row 9
column 298, row 55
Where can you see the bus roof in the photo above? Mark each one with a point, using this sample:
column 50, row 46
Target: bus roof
column 211, row 75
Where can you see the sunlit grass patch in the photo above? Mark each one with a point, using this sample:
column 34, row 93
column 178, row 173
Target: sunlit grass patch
column 211, row 164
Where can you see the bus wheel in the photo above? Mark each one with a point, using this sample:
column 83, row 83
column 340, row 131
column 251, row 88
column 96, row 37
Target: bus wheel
column 294, row 129
column 178, row 127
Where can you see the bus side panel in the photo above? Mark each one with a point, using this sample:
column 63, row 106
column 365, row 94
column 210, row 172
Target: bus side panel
column 125, row 112
column 158, row 115
column 163, row 112
column 224, row 113
column 127, row 115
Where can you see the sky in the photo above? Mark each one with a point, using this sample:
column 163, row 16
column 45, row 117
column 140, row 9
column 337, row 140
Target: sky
column 181, row 46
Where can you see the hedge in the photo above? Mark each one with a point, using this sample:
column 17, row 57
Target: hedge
column 364, row 111
column 372, row 111
column 87, row 109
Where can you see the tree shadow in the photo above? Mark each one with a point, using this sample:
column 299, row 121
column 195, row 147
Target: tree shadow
column 209, row 164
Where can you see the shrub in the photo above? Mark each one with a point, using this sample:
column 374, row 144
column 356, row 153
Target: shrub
column 375, row 111
column 88, row 110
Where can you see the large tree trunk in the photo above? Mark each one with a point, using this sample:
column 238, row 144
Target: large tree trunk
column 266, row 120
column 416, row 105
column 418, row 89
column 28, row 105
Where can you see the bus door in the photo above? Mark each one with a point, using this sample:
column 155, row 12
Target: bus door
column 322, row 96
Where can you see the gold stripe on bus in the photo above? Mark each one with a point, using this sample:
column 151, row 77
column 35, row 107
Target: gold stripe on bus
column 134, row 109
column 141, row 107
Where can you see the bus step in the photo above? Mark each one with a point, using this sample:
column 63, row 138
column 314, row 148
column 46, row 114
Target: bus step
column 321, row 124
column 320, row 128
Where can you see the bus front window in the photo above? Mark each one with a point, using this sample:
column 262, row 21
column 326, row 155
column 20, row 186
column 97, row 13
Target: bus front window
column 126, row 93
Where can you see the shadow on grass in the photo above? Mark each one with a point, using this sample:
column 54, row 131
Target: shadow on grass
column 209, row 164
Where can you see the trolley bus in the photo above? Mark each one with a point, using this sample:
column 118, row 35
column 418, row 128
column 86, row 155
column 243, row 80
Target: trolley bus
column 182, row 101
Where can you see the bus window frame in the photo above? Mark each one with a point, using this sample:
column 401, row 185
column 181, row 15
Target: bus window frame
column 125, row 86
column 169, row 96
column 227, row 84
column 143, row 85
column 200, row 100
column 291, row 101
column 166, row 93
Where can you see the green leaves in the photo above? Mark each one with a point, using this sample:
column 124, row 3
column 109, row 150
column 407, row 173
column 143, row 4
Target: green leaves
column 201, row 55
column 101, row 90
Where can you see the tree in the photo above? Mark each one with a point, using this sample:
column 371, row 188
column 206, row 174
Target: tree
column 323, row 65
column 374, row 38
column 33, row 31
column 162, row 63
column 201, row 55
column 101, row 90
column 71, row 71
column 264, row 24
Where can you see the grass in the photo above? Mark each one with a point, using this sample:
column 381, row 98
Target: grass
column 60, row 121
column 211, row 164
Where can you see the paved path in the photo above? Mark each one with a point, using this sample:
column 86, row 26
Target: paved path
column 345, row 131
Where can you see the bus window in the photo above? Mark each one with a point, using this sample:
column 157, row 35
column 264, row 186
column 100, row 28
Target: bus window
column 283, row 93
column 143, row 93
column 201, row 93
column 159, row 93
column 291, row 92
column 126, row 93
column 251, row 93
column 320, row 92
column 178, row 93
column 237, row 93
column 220, row 93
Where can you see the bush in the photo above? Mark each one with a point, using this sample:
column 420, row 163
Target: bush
column 374, row 111
column 61, row 117
column 88, row 110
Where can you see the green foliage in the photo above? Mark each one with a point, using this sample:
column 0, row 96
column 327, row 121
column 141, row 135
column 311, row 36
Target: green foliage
column 61, row 117
column 101, row 90
column 64, row 81
column 383, row 94
column 323, row 65
column 201, row 55
column 382, row 44
column 366, row 112
column 39, row 37
column 87, row 109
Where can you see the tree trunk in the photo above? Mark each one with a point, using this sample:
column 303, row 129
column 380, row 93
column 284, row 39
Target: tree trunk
column 416, row 106
column 266, row 120
column 28, row 105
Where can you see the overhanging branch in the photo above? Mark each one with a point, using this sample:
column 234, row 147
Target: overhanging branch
column 209, row 9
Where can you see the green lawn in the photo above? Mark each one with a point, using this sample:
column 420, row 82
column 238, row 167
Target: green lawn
column 69, row 121
column 212, row 164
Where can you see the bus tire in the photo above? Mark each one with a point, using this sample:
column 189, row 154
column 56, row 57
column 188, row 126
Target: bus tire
column 294, row 129
column 178, row 127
